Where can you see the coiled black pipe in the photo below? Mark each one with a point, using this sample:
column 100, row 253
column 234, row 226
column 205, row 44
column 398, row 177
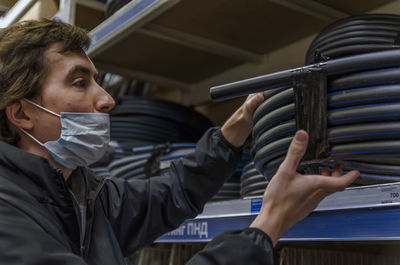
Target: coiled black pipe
column 252, row 183
column 355, row 35
column 362, row 121
column 363, row 100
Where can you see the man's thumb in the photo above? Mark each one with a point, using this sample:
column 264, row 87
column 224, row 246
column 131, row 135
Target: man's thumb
column 296, row 151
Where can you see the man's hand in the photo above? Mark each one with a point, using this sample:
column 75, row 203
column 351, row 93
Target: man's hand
column 291, row 196
column 238, row 127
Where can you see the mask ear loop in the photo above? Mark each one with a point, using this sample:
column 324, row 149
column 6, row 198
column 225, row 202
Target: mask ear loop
column 31, row 136
column 42, row 108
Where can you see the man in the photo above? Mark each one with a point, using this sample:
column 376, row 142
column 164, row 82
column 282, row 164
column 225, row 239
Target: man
column 54, row 210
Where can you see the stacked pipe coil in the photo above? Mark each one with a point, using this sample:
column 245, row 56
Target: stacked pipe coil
column 363, row 123
column 355, row 35
column 363, row 108
column 139, row 121
column 252, row 183
column 134, row 166
column 231, row 188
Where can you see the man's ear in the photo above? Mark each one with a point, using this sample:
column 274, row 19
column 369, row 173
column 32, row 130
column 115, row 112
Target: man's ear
column 20, row 115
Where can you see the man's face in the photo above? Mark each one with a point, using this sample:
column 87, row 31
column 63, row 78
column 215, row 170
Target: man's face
column 69, row 87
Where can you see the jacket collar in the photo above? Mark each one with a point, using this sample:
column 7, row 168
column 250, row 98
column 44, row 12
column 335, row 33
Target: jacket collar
column 25, row 168
column 15, row 161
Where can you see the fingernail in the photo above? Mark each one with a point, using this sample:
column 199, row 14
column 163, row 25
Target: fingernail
column 300, row 137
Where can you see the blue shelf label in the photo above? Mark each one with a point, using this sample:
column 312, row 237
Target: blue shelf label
column 355, row 225
column 203, row 230
column 256, row 205
column 191, row 229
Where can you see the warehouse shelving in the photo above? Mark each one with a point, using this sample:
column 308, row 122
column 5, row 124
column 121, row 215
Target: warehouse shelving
column 191, row 45
column 368, row 213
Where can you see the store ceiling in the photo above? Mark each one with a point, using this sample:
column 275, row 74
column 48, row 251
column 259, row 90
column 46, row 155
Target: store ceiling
column 196, row 40
column 255, row 25
column 354, row 7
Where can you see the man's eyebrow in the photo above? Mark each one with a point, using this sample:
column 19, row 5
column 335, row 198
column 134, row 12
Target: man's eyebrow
column 79, row 69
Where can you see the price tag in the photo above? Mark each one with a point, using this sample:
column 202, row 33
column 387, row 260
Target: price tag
column 390, row 194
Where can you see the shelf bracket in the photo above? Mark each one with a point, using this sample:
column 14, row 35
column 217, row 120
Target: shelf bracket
column 139, row 75
column 200, row 43
column 313, row 8
column 126, row 20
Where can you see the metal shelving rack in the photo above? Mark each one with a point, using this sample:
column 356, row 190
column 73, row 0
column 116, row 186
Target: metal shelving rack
column 368, row 213
column 186, row 44
column 191, row 45
column 124, row 22
column 358, row 214
column 144, row 27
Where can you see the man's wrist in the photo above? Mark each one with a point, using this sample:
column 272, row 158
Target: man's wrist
column 270, row 223
column 236, row 130
column 228, row 143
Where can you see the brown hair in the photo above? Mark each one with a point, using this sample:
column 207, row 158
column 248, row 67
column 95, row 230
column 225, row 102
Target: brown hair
column 22, row 64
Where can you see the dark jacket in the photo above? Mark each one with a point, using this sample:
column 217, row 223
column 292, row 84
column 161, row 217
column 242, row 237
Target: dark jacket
column 40, row 221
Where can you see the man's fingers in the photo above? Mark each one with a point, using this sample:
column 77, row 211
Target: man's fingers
column 325, row 171
column 253, row 101
column 337, row 170
column 338, row 183
column 296, row 151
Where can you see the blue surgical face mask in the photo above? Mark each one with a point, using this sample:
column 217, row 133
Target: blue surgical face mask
column 84, row 138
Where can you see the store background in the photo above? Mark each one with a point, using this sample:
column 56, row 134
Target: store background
column 185, row 47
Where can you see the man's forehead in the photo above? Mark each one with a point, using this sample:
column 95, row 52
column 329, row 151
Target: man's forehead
column 54, row 55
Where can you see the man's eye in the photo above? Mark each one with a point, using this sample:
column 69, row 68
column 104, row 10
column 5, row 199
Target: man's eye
column 81, row 83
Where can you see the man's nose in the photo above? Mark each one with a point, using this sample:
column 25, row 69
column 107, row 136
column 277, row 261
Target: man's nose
column 104, row 102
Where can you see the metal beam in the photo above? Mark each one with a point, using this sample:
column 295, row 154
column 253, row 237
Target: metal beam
column 144, row 76
column 125, row 21
column 16, row 12
column 66, row 12
column 200, row 43
column 313, row 8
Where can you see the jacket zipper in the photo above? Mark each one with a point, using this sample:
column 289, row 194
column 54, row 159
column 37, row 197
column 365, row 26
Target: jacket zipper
column 76, row 209
column 88, row 231
column 79, row 216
